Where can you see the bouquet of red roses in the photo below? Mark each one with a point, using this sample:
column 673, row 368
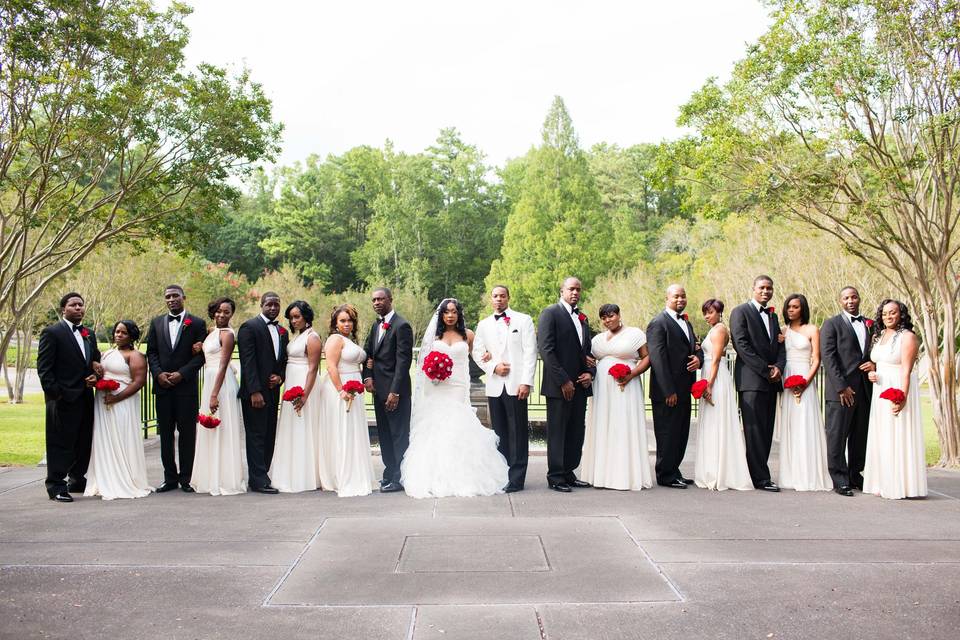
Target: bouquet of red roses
column 292, row 395
column 894, row 395
column 210, row 422
column 107, row 385
column 698, row 388
column 437, row 366
column 353, row 387
column 619, row 372
column 795, row 382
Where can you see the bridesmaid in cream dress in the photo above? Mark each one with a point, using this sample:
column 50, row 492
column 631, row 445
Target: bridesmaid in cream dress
column 294, row 465
column 896, row 461
column 803, row 441
column 118, row 468
column 615, row 454
column 721, row 451
column 219, row 466
column 345, row 458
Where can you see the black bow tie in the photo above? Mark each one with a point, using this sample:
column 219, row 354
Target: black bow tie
column 856, row 319
column 173, row 318
column 679, row 316
column 764, row 310
column 77, row 327
column 273, row 323
column 497, row 316
column 575, row 311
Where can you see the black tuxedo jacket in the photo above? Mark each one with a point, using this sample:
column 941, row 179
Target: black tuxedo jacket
column 564, row 355
column 670, row 350
column 755, row 349
column 841, row 357
column 164, row 356
column 61, row 366
column 391, row 358
column 258, row 360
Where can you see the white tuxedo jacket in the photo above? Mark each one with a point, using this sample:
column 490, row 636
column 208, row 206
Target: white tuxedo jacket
column 515, row 344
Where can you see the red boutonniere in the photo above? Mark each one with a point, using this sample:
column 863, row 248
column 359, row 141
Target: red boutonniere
column 685, row 317
column 187, row 322
column 281, row 330
column 772, row 309
column 582, row 317
column 506, row 320
column 84, row 333
column 385, row 325
column 868, row 322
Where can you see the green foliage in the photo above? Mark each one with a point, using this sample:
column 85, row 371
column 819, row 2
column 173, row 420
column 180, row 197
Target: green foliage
column 556, row 227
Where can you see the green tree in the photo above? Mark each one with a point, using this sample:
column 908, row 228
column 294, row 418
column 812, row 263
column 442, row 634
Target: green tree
column 556, row 226
column 844, row 115
column 106, row 137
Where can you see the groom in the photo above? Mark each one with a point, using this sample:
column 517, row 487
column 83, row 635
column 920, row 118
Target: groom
column 564, row 342
column 389, row 350
column 674, row 361
column 174, row 363
column 845, row 348
column 758, row 373
column 505, row 347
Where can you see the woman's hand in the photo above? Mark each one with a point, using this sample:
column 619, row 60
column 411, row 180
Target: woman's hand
column 299, row 401
column 344, row 395
column 486, row 357
column 369, row 363
column 781, row 337
column 109, row 399
column 873, row 377
column 708, row 393
column 622, row 382
column 214, row 404
column 897, row 408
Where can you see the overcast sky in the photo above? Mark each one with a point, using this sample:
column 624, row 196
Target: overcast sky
column 354, row 72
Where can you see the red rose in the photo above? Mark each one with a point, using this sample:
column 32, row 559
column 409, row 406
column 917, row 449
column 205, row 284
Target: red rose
column 772, row 309
column 187, row 322
column 292, row 394
column 209, row 422
column 685, row 316
column 868, row 322
column 385, row 325
column 894, row 395
column 506, row 320
column 281, row 330
column 107, row 385
column 698, row 388
column 353, row 386
column 794, row 381
column 437, row 366
column 581, row 317
column 84, row 333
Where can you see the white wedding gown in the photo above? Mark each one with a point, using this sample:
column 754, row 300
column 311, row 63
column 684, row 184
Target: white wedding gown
column 450, row 452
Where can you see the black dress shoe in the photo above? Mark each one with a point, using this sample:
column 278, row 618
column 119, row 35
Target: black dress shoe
column 265, row 489
column 76, row 487
column 676, row 484
column 166, row 486
column 769, row 486
column 512, row 489
column 686, row 480
column 580, row 484
column 844, row 491
column 384, row 482
column 186, row 488
column 391, row 487
column 63, row 496
column 562, row 487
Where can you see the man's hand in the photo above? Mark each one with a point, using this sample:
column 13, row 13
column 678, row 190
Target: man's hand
column 97, row 369
column 91, row 380
column 591, row 361
column 502, row 369
column 846, row 397
column 774, row 372
column 163, row 379
column 174, row 378
column 393, row 399
column 585, row 380
column 368, row 384
column 256, row 400
column 693, row 363
column 671, row 400
column 868, row 366
column 369, row 363
column 568, row 390
column 523, row 392
column 273, row 381
column 197, row 348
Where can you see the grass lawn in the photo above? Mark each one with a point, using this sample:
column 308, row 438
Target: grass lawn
column 21, row 432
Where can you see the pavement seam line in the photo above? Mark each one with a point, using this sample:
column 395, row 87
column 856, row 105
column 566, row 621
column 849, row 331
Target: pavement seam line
column 942, row 495
column 293, row 565
column 413, row 622
column 660, row 571
column 543, row 632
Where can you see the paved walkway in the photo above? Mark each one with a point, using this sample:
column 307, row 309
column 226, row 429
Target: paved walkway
column 595, row 564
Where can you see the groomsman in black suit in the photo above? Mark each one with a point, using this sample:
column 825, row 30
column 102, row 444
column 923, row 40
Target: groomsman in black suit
column 175, row 359
column 674, row 361
column 758, row 371
column 564, row 343
column 389, row 348
column 68, row 365
column 262, row 344
column 845, row 351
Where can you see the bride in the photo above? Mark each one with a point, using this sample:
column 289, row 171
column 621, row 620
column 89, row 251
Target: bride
column 450, row 452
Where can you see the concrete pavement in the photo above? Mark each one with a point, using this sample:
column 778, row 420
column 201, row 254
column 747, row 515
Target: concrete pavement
column 538, row 564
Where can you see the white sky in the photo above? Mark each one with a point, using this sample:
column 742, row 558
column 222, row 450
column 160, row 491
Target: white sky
column 354, row 72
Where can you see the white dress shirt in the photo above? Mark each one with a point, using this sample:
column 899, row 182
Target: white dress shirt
column 515, row 344
column 174, row 327
column 274, row 335
column 574, row 318
column 77, row 337
column 380, row 331
column 680, row 321
column 860, row 328
column 764, row 317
